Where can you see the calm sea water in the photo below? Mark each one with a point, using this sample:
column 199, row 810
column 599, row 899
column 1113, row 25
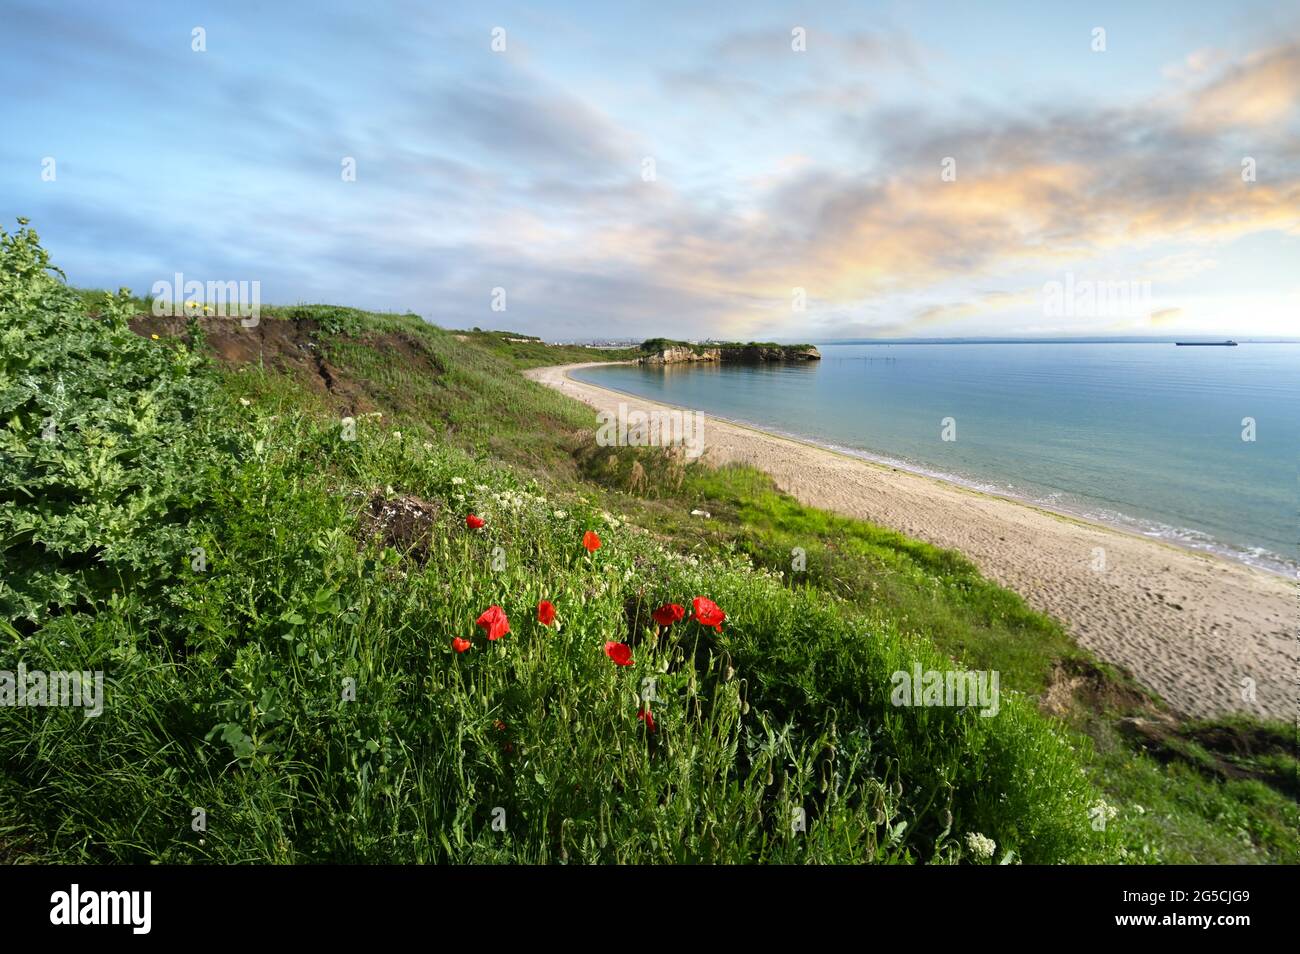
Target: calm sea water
column 1147, row 436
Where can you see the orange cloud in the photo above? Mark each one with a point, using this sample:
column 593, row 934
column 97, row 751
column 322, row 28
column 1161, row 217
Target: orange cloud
column 1262, row 90
column 1042, row 193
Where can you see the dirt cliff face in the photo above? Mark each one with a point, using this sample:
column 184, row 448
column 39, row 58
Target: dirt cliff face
column 682, row 354
column 778, row 353
column 293, row 346
column 740, row 354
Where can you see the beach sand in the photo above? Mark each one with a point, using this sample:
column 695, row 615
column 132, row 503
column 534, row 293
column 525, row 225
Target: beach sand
column 1193, row 627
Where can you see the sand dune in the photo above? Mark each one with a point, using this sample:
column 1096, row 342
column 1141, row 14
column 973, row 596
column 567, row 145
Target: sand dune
column 1195, row 628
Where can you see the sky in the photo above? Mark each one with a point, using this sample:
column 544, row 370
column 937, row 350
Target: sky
column 791, row 171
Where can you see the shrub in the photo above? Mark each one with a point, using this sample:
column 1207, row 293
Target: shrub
column 99, row 442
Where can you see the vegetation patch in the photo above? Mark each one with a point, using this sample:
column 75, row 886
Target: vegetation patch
column 356, row 671
column 1227, row 749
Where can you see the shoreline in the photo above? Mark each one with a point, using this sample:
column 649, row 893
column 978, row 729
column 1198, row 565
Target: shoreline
column 1203, row 630
column 1278, row 565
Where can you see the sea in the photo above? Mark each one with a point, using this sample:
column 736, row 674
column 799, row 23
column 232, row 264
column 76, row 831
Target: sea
column 1197, row 446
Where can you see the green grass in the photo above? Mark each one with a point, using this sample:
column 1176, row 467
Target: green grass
column 920, row 588
column 237, row 703
column 467, row 395
column 1178, row 806
column 1178, row 810
column 301, row 689
column 537, row 354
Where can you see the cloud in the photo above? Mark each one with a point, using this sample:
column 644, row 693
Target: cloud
column 817, row 170
column 1262, row 90
column 990, row 301
column 757, row 72
column 1195, row 65
column 545, row 129
column 842, row 48
column 1033, row 191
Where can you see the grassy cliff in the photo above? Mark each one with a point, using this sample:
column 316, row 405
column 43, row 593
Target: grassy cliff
column 260, row 536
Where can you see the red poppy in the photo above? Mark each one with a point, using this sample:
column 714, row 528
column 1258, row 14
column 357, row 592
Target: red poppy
column 546, row 612
column 494, row 622
column 474, row 521
column 708, row 613
column 621, row 653
column 460, row 645
column 643, row 714
column 668, row 614
column 591, row 541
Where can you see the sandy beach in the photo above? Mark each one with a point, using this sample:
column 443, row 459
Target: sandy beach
column 1194, row 627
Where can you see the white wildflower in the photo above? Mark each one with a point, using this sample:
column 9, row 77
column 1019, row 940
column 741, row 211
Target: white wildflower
column 1105, row 810
column 457, row 481
column 981, row 846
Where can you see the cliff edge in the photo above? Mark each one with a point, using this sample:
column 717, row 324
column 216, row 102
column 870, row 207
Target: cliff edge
column 660, row 351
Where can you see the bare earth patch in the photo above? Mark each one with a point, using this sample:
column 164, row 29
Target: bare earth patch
column 287, row 346
column 403, row 522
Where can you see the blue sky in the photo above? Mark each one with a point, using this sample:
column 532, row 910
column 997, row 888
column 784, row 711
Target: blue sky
column 795, row 194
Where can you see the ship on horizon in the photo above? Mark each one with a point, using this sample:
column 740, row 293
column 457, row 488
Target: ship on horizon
column 1220, row 344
